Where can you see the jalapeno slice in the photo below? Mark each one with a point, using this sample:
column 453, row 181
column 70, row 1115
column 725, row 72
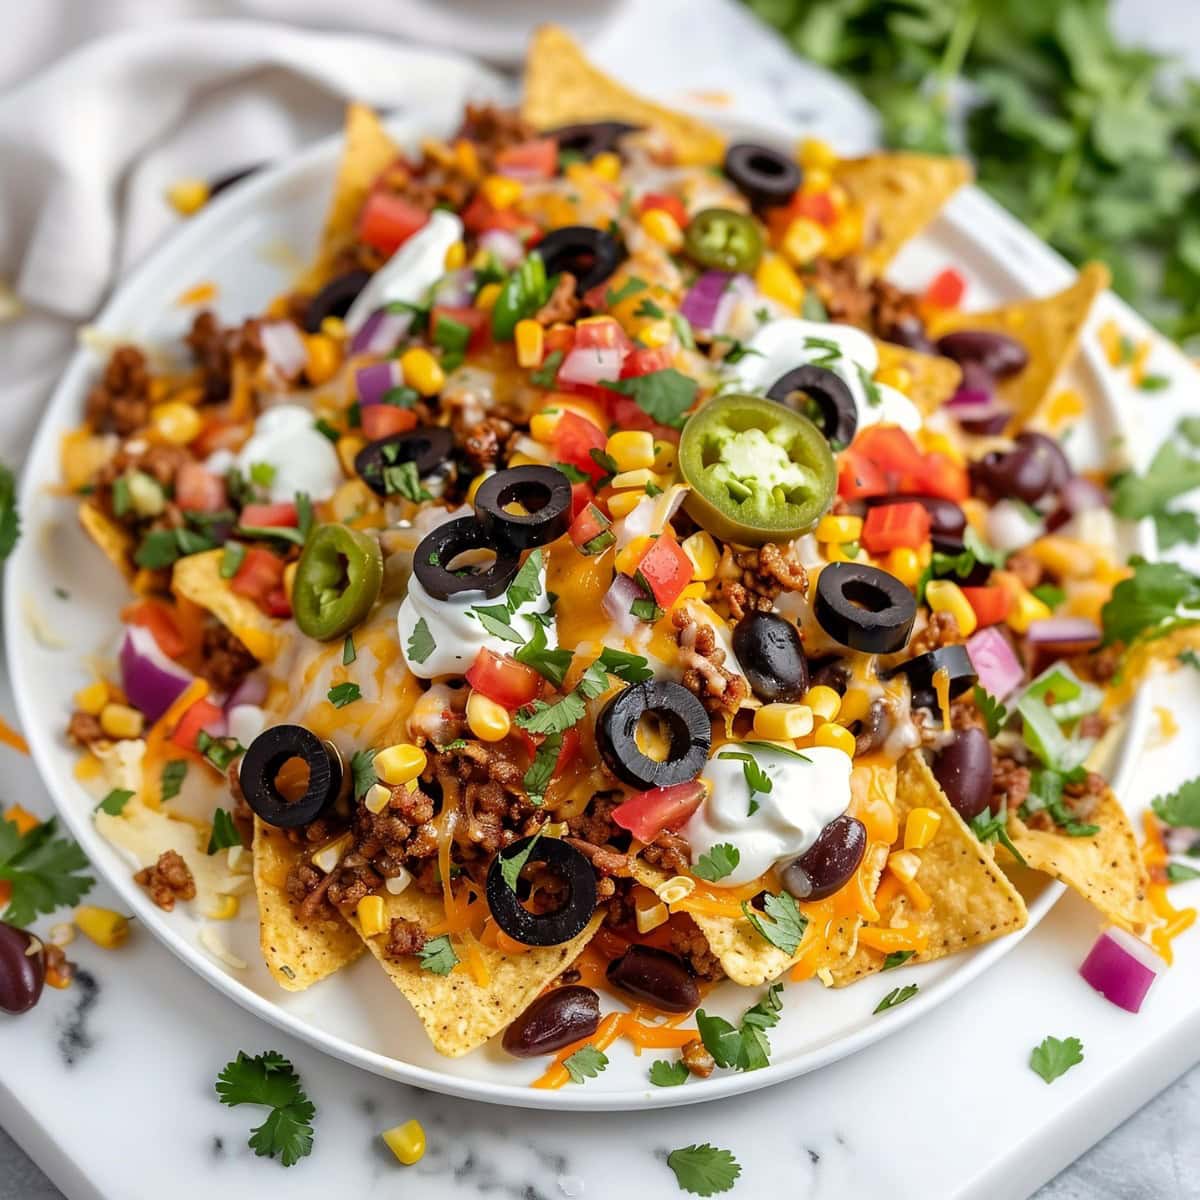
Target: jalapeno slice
column 338, row 578
column 724, row 240
column 758, row 471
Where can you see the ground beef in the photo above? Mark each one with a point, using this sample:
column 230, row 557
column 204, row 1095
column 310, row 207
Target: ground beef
column 168, row 880
column 604, row 860
column 754, row 576
column 494, row 129
column 669, row 852
column 896, row 315
column 1010, row 783
column 1099, row 667
column 940, row 630
column 120, row 402
column 697, row 1059
column 84, row 729
column 483, row 441
column 351, row 881
column 161, row 463
column 851, row 297
column 563, row 304
column 964, row 714
column 401, row 833
column 1026, row 568
column 405, row 938
column 619, row 909
column 704, row 675
column 225, row 660
column 1093, row 725
column 486, row 784
column 215, row 347
column 692, row 946
column 595, row 823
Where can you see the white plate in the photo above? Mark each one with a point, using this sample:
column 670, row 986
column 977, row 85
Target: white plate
column 237, row 243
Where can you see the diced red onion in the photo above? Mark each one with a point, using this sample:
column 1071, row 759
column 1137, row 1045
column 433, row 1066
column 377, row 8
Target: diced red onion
column 1180, row 839
column 1009, row 526
column 150, row 679
column 1064, row 635
column 995, row 662
column 284, row 347
column 1082, row 495
column 456, row 289
column 504, row 245
column 968, row 397
column 1121, row 968
column 618, row 601
column 252, row 690
column 591, row 364
column 700, row 304
column 741, row 290
column 381, row 332
column 373, row 381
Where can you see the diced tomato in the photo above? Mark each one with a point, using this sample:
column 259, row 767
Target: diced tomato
column 155, row 616
column 197, row 489
column 891, row 450
column 221, row 435
column 816, row 206
column 581, row 497
column 603, row 333
column 383, row 420
column 204, row 714
column 884, row 460
column 388, row 221
column 647, row 814
column 625, row 413
column 946, row 289
column 567, row 753
column 859, row 477
column 666, row 569
column 536, row 159
column 991, row 604
column 941, row 476
column 270, row 516
column 891, row 526
column 260, row 573
column 591, row 531
column 477, row 320
column 574, row 439
column 668, row 203
column 645, row 361
column 479, row 216
column 503, row 679
column 276, row 603
column 559, row 337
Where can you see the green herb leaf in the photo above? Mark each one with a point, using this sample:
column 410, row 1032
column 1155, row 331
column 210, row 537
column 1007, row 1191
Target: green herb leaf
column 1049, row 594
column 41, row 869
column 114, row 803
column 1055, row 1057
column 897, row 958
column 263, row 473
column 224, row 832
column 171, row 780
column 10, row 521
column 342, row 694
column 586, row 1063
column 993, row 827
column 420, row 642
column 550, row 663
column 270, row 1080
column 1181, row 873
column 784, row 924
column 665, row 396
column 896, row 996
column 1180, row 808
column 546, row 374
column 494, row 618
column 526, row 586
column 219, row 751
column 537, row 776
column 664, row 1073
column 558, row 717
column 720, row 861
column 630, row 287
column 349, row 653
column 324, row 428
column 362, row 768
column 1157, row 599
column 437, row 955
column 231, row 559
column 511, row 865
column 704, row 1170
column 994, row 713
column 629, row 668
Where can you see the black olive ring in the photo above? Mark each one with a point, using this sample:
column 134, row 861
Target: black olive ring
column 764, row 176
column 590, row 137
column 544, row 493
column 836, row 413
column 591, row 255
column 864, row 608
column 686, row 723
column 444, row 544
column 919, row 671
column 549, row 928
column 261, row 764
column 334, row 299
column 427, row 446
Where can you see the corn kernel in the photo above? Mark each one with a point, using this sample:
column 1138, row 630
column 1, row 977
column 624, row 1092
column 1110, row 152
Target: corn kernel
column 22, row 818
column 641, row 478
column 348, row 446
column 839, row 529
column 783, row 722
column 500, row 191
column 817, row 180
column 334, row 327
column 176, row 422
column 824, row 702
column 477, row 483
column 486, row 719
column 327, row 857
column 456, row 256
column 847, row 232
column 933, row 442
column 487, row 296
column 651, row 917
column 352, row 499
column 92, row 698
column 656, row 334
column 530, row 339
column 371, row 916
column 399, row 763
column 406, row 1142
column 378, row 797
column 422, row 371
column 904, row 563
column 1068, row 558
column 631, row 449
column 666, row 455
column 817, row 154
column 904, row 864
column 898, row 377
column 121, row 721
column 607, row 165
column 466, row 158
column 693, row 591
column 323, row 358
column 106, row 928
column 543, row 424
column 1026, row 609
column 188, row 196
column 703, row 552
column 838, row 737
column 225, row 908
column 803, row 241
column 677, row 888
column 621, row 504
column 659, row 225
column 944, row 595
column 525, row 460
column 921, row 828
column 775, row 278
column 628, row 557
column 289, row 577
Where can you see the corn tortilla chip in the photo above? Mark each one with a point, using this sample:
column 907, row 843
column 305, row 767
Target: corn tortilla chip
column 458, row 1013
column 934, row 379
column 562, row 87
column 1048, row 328
column 114, row 542
column 899, row 195
column 973, row 900
column 197, row 577
column 1106, row 869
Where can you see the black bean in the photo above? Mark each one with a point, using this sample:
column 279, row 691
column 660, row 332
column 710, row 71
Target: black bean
column 22, row 969
column 964, row 769
column 554, row 1020
column 1033, row 468
column 998, row 354
column 655, row 976
column 769, row 649
column 826, row 866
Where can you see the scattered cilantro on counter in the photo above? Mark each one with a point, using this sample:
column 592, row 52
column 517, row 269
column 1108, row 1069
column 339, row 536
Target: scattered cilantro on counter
column 704, row 1170
column 1055, row 1057
column 270, row 1080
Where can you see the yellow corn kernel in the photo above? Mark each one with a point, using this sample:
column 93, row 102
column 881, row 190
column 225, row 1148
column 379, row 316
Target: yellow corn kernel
column 693, row 591
column 334, row 327
column 898, row 377
column 371, row 916
column 856, row 703
column 352, row 499
column 921, row 828
column 904, row 864
column 939, row 443
column 188, row 196
column 487, row 296
column 824, row 702
column 627, row 559
column 400, row 763
column 176, row 422
column 225, row 907
column 656, row 334
column 456, row 256
column 677, row 888
column 944, row 595
column 406, row 1142
column 775, row 278
column 486, row 719
column 666, row 454
column 543, row 424
column 378, row 797
column 106, row 928
column 348, row 446
column 500, row 191
column 1066, row 557
column 477, row 483
column 1026, row 609
column 289, row 577
column 838, row 737
column 466, row 158
column 816, row 154
column 327, row 857
column 323, row 358
column 22, row 818
column 121, row 721
column 530, row 339
column 525, row 460
column 621, row 504
column 607, row 166
column 659, row 225
column 839, row 529
column 803, row 240
column 837, row 552
column 651, row 917
column 816, row 181
column 703, row 552
column 904, row 563
column 92, row 698
column 783, row 722
column 641, row 478
column 846, row 234
column 631, row 449
column 422, row 371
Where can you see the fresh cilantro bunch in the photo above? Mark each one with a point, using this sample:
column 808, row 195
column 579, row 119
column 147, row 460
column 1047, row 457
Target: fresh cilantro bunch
column 270, row 1080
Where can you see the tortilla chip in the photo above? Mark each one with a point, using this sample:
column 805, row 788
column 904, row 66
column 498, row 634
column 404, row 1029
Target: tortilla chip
column 1049, row 329
column 973, row 900
column 458, row 1013
column 934, row 378
column 1106, row 869
column 562, row 87
column 899, row 195
column 113, row 540
column 298, row 952
column 197, row 577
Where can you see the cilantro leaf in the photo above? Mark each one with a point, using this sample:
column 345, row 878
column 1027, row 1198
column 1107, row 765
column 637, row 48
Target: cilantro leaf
column 224, row 832
column 438, row 956
column 114, row 803
column 630, row 287
column 537, row 776
column 993, row 827
column 403, row 479
column 494, row 618
column 1181, row 873
column 896, row 996
column 550, row 663
column 511, row 865
column 545, row 375
column 349, row 653
column 785, row 925
column 420, row 642
column 1173, row 471
column 263, row 473
column 897, row 958
column 664, row 396
column 1180, row 808
column 586, row 1063
column 270, row 1080
column 1158, row 598
column 220, row 752
column 10, row 521
column 558, row 717
column 720, row 861
column 745, row 1047
column 629, row 668
column 362, row 769
column 231, row 559
column 342, row 694
column 704, row 1170
column 173, row 775
column 994, row 713
column 41, row 869
column 720, row 1038
column 664, row 1073
column 1055, row 1057
column 526, row 586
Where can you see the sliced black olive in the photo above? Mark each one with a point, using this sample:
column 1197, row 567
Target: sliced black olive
column 549, row 928
column 543, row 492
column 335, row 298
column 262, row 762
column 682, row 717
column 826, row 866
column 764, row 176
column 953, row 547
column 864, row 608
column 591, row 255
column 920, row 671
column 832, row 410
column 769, row 649
column 434, row 558
column 591, row 137
column 380, row 463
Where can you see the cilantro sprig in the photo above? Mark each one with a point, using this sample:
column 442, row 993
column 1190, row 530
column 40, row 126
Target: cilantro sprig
column 704, row 1170
column 744, row 1047
column 270, row 1080
column 42, row 869
column 1054, row 1057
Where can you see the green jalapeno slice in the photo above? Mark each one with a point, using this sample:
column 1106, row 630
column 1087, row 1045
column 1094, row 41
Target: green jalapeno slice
column 724, row 240
column 338, row 578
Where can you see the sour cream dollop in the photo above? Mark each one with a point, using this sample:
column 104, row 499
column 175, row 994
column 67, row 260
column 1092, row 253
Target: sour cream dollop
column 457, row 634
column 783, row 345
column 804, row 797
column 303, row 459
